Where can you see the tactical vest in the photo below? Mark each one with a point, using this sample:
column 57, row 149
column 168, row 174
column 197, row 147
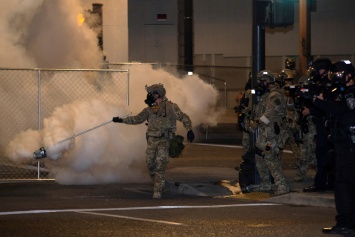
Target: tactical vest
column 162, row 120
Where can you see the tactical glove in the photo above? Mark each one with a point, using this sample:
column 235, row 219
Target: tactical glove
column 117, row 120
column 190, row 136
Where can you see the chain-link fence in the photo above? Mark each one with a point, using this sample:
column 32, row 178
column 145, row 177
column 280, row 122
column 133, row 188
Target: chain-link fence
column 29, row 95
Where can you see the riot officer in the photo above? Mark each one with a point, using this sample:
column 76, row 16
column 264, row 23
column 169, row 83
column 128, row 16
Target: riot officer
column 161, row 115
column 343, row 137
column 291, row 65
column 305, row 135
column 290, row 122
column 269, row 114
column 318, row 73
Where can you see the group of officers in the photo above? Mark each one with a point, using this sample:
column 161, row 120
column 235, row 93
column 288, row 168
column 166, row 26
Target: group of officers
column 315, row 116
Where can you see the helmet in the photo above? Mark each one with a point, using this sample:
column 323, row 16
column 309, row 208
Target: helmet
column 156, row 89
column 340, row 70
column 286, row 77
column 290, row 63
column 154, row 92
column 322, row 63
column 267, row 76
column 316, row 66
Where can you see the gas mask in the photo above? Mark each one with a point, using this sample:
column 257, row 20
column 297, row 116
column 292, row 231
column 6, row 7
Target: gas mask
column 260, row 90
column 151, row 98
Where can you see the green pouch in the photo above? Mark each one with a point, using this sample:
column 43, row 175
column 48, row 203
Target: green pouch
column 176, row 146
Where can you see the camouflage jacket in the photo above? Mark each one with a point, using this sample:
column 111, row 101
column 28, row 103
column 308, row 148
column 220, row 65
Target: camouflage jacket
column 161, row 120
column 273, row 107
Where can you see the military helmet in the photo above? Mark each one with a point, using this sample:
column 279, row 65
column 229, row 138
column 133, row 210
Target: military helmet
column 320, row 63
column 314, row 70
column 156, row 89
column 267, row 76
column 340, row 70
column 290, row 63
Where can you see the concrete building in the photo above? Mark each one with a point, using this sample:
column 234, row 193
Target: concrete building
column 150, row 31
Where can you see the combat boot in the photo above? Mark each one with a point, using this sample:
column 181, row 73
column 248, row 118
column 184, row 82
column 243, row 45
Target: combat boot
column 263, row 187
column 280, row 191
column 156, row 195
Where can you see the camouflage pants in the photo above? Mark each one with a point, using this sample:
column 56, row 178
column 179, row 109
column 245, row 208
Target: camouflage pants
column 308, row 150
column 270, row 162
column 287, row 137
column 157, row 158
column 245, row 142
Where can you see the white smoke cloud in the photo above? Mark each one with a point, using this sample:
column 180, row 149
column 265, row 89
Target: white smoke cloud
column 110, row 153
column 45, row 33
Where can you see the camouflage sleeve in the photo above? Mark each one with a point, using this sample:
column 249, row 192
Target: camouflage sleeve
column 139, row 118
column 182, row 117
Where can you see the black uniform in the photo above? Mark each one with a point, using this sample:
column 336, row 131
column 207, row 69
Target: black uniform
column 343, row 137
column 321, row 181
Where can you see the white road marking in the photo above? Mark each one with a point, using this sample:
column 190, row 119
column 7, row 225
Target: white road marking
column 132, row 208
column 131, row 218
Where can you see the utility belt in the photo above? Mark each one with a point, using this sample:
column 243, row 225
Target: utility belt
column 167, row 135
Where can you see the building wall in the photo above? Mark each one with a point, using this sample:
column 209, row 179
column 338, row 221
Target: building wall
column 222, row 34
column 151, row 39
column 224, row 28
column 132, row 31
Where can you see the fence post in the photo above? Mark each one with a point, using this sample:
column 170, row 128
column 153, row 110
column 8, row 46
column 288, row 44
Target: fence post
column 39, row 115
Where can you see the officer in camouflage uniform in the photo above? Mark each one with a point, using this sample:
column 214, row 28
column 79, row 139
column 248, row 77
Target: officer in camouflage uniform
column 269, row 115
column 305, row 137
column 291, row 128
column 291, row 65
column 161, row 115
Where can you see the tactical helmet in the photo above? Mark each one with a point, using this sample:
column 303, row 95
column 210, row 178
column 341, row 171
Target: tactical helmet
column 156, row 89
column 340, row 70
column 318, row 64
column 154, row 92
column 322, row 63
column 267, row 76
column 290, row 63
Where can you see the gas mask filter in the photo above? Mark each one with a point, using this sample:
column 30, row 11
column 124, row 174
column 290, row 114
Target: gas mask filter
column 150, row 101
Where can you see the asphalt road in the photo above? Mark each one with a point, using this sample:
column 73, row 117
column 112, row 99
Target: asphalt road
column 45, row 208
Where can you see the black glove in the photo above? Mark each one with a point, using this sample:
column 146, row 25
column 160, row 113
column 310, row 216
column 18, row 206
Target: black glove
column 117, row 120
column 190, row 136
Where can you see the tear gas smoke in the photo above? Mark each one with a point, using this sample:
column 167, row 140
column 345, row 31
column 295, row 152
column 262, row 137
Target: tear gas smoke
column 114, row 152
column 45, row 33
